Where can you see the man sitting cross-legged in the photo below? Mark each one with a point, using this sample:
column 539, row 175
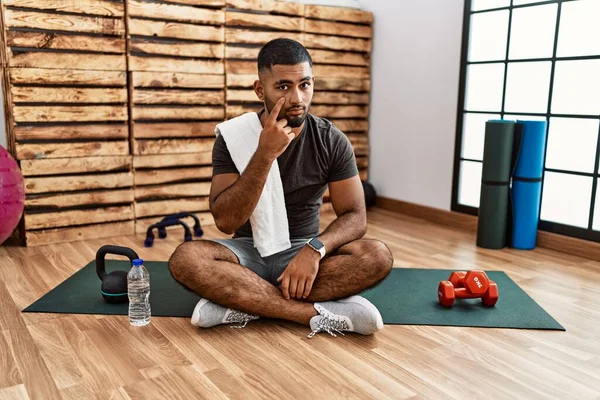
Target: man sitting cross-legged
column 315, row 279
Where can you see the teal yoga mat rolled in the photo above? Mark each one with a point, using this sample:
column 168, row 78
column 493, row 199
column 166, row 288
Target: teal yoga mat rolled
column 526, row 191
column 495, row 178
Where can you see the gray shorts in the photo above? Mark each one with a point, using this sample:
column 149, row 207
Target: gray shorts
column 268, row 268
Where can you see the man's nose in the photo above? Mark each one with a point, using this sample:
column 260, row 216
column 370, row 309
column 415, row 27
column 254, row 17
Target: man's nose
column 296, row 96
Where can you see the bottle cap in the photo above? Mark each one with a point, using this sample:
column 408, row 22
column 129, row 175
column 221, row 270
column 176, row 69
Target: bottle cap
column 137, row 262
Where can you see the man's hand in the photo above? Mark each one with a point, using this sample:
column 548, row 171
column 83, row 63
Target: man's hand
column 298, row 278
column 276, row 135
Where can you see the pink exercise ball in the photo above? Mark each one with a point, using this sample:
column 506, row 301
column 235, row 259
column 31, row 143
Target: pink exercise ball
column 12, row 194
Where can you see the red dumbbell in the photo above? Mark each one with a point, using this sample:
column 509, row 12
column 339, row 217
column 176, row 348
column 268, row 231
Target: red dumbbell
column 458, row 278
column 476, row 281
column 491, row 296
column 476, row 285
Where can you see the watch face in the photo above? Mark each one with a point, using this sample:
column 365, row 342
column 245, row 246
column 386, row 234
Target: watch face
column 316, row 243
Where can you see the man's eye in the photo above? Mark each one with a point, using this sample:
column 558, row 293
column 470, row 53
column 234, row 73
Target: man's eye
column 305, row 85
column 283, row 87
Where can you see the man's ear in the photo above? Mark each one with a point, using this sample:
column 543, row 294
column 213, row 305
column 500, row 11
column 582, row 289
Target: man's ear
column 259, row 90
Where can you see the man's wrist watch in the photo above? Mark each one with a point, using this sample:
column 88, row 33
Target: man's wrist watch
column 317, row 246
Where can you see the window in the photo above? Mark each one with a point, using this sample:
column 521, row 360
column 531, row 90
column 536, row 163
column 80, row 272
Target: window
column 527, row 59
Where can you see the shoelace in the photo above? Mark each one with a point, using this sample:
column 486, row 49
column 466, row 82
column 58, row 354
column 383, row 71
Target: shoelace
column 330, row 323
column 240, row 317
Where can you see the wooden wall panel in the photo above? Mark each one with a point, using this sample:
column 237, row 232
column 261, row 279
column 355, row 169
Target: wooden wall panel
column 86, row 232
column 177, row 86
column 68, row 102
column 272, row 7
column 339, row 14
column 249, row 24
column 106, row 8
column 340, row 42
column 111, row 105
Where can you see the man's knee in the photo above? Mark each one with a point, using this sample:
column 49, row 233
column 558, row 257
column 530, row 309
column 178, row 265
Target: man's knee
column 180, row 260
column 188, row 256
column 375, row 254
column 381, row 256
column 198, row 257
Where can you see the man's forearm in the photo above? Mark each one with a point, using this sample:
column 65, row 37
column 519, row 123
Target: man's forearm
column 234, row 206
column 344, row 229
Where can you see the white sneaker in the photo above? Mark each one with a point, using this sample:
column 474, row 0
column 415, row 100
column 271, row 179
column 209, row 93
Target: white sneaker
column 352, row 314
column 207, row 314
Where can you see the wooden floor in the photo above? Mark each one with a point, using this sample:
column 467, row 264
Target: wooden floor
column 53, row 356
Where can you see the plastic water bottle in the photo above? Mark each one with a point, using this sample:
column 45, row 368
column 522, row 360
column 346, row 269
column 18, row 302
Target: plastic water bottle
column 138, row 289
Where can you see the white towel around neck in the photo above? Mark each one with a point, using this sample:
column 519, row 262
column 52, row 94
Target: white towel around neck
column 269, row 221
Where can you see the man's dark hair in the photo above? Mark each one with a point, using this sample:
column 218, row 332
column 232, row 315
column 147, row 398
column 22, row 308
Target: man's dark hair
column 284, row 52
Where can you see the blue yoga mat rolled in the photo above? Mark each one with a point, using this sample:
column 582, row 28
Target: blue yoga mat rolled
column 526, row 188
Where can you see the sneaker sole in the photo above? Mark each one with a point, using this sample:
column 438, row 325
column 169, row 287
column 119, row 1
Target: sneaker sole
column 196, row 314
column 368, row 305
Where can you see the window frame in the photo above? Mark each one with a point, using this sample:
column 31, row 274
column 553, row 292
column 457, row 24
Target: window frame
column 568, row 230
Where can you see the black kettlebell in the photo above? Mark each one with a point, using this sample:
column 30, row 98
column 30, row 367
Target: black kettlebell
column 114, row 285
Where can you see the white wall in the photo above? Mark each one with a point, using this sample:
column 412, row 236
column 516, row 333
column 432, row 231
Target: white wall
column 414, row 97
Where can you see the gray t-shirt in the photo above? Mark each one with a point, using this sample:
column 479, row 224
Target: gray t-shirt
column 320, row 154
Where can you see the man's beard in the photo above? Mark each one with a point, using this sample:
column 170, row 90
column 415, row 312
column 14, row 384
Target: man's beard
column 293, row 122
column 296, row 121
